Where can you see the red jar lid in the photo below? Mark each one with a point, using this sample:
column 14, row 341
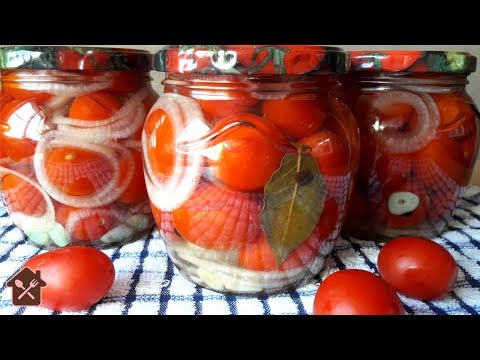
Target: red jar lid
column 252, row 59
column 413, row 61
column 74, row 58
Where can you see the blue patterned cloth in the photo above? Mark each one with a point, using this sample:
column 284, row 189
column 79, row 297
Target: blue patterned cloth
column 148, row 283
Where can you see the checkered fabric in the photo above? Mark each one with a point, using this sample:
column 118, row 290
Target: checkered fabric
column 148, row 283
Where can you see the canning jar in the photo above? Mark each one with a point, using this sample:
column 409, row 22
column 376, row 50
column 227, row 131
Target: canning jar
column 249, row 160
column 70, row 143
column 419, row 138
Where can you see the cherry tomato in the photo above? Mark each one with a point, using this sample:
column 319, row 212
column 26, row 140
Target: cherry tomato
column 16, row 117
column 257, row 255
column 88, row 228
column 38, row 97
column 77, row 277
column 136, row 191
column 95, row 106
column 247, row 155
column 77, row 172
column 445, row 157
column 294, row 116
column 328, row 148
column 165, row 225
column 418, row 267
column 20, row 196
column 452, row 107
column 218, row 218
column 224, row 104
column 356, row 292
column 160, row 127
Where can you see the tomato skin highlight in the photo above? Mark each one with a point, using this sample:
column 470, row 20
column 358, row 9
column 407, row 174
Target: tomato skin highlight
column 418, row 267
column 248, row 156
column 356, row 292
column 77, row 277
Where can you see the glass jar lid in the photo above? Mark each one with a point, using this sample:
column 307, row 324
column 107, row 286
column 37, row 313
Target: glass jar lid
column 252, row 59
column 74, row 58
column 413, row 61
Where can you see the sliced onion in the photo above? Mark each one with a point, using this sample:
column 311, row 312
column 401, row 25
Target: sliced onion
column 427, row 89
column 27, row 223
column 71, row 90
column 407, row 141
column 109, row 193
column 189, row 124
column 123, row 127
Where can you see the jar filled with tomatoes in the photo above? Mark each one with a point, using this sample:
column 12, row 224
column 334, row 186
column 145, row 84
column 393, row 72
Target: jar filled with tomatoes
column 70, row 143
column 419, row 140
column 249, row 160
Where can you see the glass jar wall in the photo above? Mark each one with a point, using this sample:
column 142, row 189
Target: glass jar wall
column 419, row 137
column 250, row 157
column 70, row 143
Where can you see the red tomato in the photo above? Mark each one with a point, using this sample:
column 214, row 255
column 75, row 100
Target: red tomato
column 257, row 255
column 356, row 292
column 446, row 156
column 247, row 155
column 418, row 267
column 76, row 171
column 96, row 106
column 218, row 218
column 16, row 117
column 136, row 191
column 165, row 225
column 39, row 97
column 77, row 277
column 452, row 106
column 20, row 196
column 225, row 104
column 329, row 149
column 89, row 228
column 294, row 116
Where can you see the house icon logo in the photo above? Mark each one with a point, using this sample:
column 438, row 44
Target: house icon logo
column 26, row 287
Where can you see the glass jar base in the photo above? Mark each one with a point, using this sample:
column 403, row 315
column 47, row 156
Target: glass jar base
column 207, row 269
column 99, row 244
column 379, row 233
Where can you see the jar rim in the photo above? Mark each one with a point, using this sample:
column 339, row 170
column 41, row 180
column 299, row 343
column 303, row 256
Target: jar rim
column 412, row 61
column 252, row 59
column 74, row 58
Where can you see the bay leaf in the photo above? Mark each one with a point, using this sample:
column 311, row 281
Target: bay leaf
column 294, row 199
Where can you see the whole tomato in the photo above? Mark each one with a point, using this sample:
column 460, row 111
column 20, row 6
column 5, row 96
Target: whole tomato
column 356, row 292
column 418, row 267
column 295, row 116
column 77, row 277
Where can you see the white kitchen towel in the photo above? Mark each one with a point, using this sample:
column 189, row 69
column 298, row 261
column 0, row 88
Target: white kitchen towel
column 148, row 283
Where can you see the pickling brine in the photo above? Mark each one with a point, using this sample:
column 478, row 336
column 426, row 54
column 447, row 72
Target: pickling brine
column 70, row 143
column 249, row 160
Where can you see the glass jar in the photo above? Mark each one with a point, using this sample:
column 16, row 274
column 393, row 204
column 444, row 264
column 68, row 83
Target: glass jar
column 70, row 143
column 249, row 160
column 419, row 138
